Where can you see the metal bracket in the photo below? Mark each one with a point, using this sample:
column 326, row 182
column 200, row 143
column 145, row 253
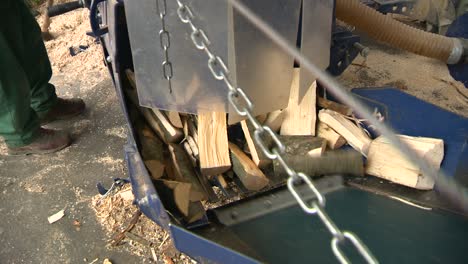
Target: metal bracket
column 259, row 205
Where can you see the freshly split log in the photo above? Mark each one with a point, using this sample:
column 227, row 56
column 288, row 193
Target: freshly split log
column 249, row 174
column 334, row 140
column 387, row 162
column 353, row 134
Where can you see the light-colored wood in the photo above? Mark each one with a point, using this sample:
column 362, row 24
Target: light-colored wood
column 334, row 106
column 193, row 145
column 183, row 171
column 174, row 118
column 155, row 118
column 190, row 153
column 213, row 143
column 258, row 157
column 275, row 119
column 387, row 162
column 334, row 140
column 300, row 116
column 182, row 197
column 261, row 118
column 172, row 134
column 353, row 134
column 249, row 174
column 222, row 181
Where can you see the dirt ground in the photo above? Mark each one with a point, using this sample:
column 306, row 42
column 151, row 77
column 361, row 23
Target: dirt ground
column 84, row 75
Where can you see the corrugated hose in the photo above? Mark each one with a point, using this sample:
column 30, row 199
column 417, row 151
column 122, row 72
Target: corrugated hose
column 385, row 29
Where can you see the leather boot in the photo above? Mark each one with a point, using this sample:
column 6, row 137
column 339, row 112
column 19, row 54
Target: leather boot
column 64, row 109
column 48, row 141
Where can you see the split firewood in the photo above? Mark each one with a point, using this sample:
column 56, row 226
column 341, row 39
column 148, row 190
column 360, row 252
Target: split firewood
column 172, row 134
column 189, row 151
column 274, row 120
column 183, row 171
column 261, row 118
column 182, row 199
column 300, row 115
column 249, row 174
column 222, row 181
column 155, row 168
column 193, row 145
column 386, row 161
column 259, row 158
column 334, row 106
column 213, row 143
column 353, row 134
column 174, row 118
column 334, row 140
column 151, row 150
column 155, row 118
column 348, row 162
column 303, row 147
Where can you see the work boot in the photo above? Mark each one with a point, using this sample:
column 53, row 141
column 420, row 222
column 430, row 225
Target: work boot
column 64, row 109
column 48, row 141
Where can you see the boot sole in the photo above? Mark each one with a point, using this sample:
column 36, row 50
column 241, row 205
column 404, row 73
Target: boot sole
column 36, row 152
column 48, row 121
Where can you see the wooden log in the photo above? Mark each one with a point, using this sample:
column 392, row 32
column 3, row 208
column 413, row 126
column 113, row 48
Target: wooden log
column 189, row 151
column 258, row 157
column 156, row 168
column 303, row 147
column 155, row 118
column 174, row 118
column 213, row 143
column 353, row 134
column 193, row 145
column 334, row 106
column 222, row 181
column 182, row 197
column 275, row 119
column 172, row 134
column 183, row 171
column 334, row 140
column 300, row 116
column 329, row 163
column 249, row 174
column 387, row 162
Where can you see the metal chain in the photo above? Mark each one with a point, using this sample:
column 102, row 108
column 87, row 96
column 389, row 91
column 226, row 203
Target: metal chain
column 165, row 42
column 244, row 107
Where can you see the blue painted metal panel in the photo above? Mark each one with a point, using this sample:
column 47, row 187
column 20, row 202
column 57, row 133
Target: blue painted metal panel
column 200, row 248
column 410, row 116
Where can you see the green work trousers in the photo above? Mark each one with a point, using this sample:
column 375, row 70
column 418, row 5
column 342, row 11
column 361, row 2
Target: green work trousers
column 25, row 71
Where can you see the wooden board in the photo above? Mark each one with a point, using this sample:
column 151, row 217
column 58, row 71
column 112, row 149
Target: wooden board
column 258, row 157
column 174, row 118
column 183, row 171
column 334, row 106
column 249, row 174
column 213, row 143
column 385, row 161
column 275, row 119
column 334, row 140
column 353, row 134
column 300, row 116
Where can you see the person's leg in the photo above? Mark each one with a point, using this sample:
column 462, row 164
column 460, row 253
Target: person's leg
column 18, row 121
column 19, row 124
column 35, row 62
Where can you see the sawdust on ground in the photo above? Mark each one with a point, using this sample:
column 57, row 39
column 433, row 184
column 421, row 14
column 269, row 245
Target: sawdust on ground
column 114, row 212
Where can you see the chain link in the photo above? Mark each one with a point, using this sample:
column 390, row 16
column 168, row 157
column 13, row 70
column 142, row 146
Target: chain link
column 165, row 42
column 244, row 107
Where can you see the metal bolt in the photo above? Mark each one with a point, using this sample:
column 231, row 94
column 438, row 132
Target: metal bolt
column 363, row 50
column 108, row 59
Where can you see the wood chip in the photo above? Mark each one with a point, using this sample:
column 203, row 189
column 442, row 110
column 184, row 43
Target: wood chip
column 57, row 216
